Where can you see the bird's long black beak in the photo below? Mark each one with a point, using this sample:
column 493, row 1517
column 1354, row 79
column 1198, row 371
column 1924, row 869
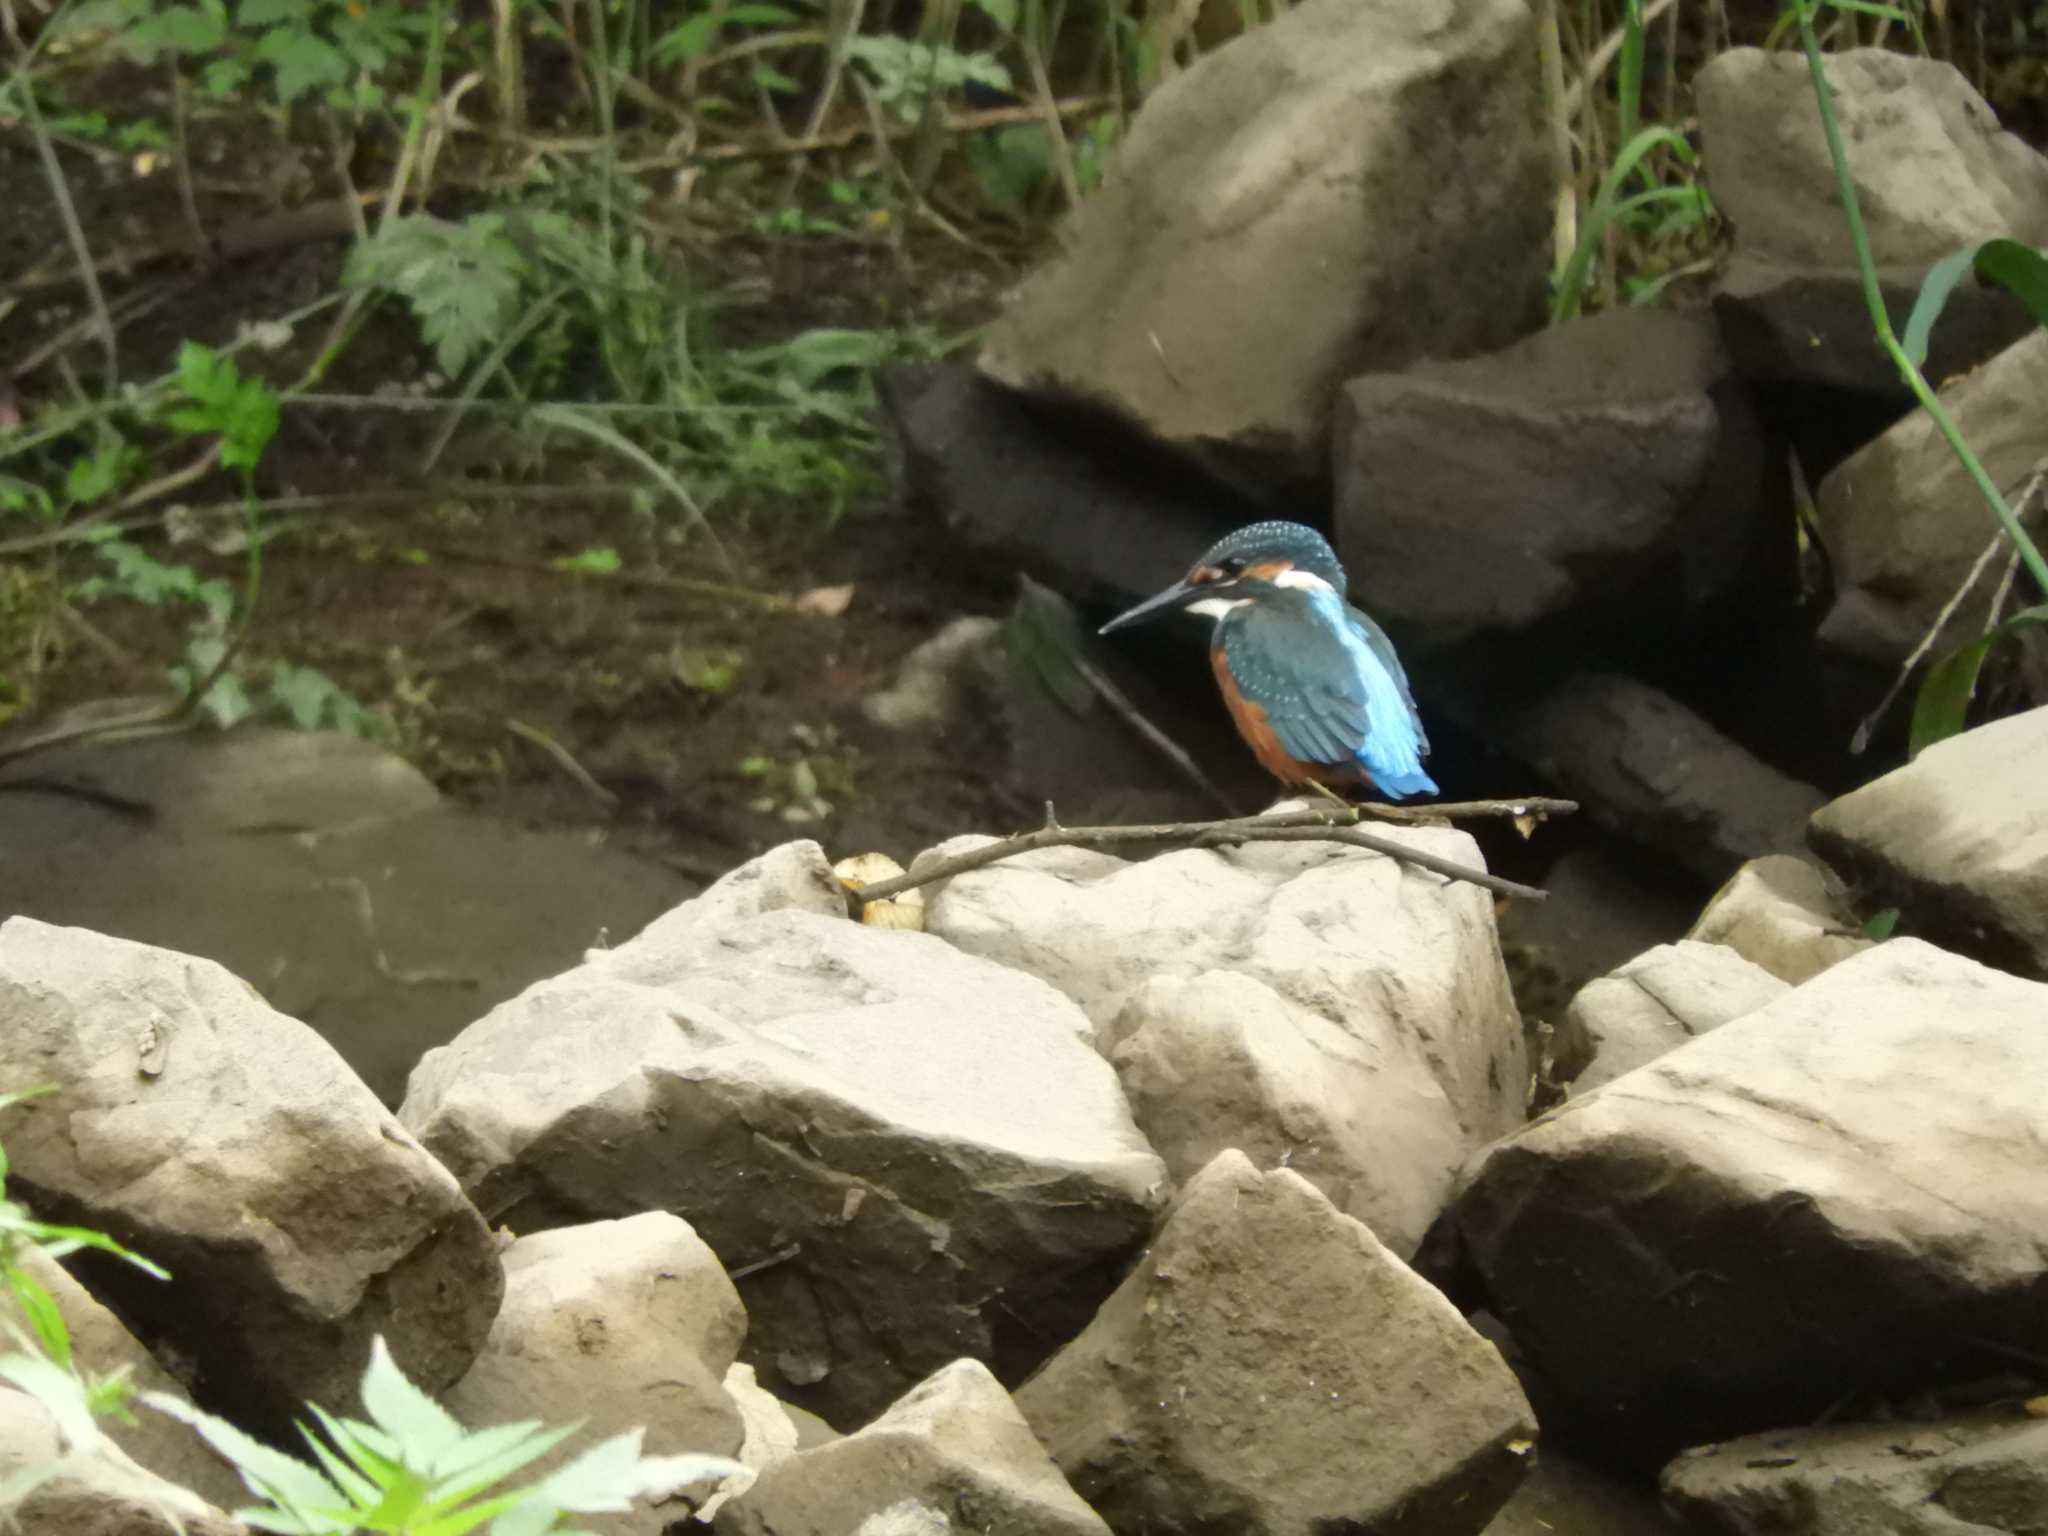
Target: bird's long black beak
column 1179, row 593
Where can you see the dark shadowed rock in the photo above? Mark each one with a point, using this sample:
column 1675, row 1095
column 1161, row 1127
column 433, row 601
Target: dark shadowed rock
column 1904, row 523
column 1650, row 769
column 163, row 1445
column 954, row 1444
column 1269, row 1368
column 1933, row 173
column 1958, row 839
column 1838, row 1197
column 1784, row 913
column 1289, row 211
column 1086, row 505
column 1606, row 476
column 1984, row 1475
column 915, row 1150
column 231, row 1145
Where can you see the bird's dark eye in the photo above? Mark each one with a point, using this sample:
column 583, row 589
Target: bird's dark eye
column 1232, row 566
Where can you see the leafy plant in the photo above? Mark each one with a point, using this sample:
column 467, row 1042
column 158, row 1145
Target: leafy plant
column 906, row 74
column 43, row 1365
column 333, row 49
column 463, row 281
column 1945, row 691
column 411, row 1469
column 1634, row 196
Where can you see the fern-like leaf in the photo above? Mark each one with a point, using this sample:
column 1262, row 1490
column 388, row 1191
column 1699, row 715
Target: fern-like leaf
column 462, row 281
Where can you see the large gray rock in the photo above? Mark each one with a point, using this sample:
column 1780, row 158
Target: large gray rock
column 954, row 1444
column 231, row 1145
column 1610, row 474
column 1785, row 914
column 1656, row 1003
column 1904, row 523
column 1840, row 1195
column 1304, row 1002
column 914, row 1152
column 1933, row 173
column 1270, row 1368
column 1958, row 840
column 615, row 1325
column 1985, row 1475
column 1222, row 1060
column 1288, row 212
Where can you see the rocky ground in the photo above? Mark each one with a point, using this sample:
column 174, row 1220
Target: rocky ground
column 1231, row 1189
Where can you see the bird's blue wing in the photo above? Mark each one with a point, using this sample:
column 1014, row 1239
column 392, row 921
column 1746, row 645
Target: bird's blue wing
column 1382, row 648
column 1330, row 691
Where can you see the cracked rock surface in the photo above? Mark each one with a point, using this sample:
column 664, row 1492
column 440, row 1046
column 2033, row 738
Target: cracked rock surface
column 1270, row 1368
column 1836, row 1197
column 1317, row 1007
column 234, row 1147
column 904, row 1154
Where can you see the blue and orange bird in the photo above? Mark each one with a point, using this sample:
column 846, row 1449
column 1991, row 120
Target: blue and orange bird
column 1313, row 685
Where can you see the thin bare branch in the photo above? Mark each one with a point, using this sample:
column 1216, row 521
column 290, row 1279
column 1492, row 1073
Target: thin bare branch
column 1316, row 825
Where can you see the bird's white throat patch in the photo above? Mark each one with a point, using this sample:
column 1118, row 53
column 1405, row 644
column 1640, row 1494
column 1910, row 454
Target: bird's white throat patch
column 1307, row 581
column 1216, row 607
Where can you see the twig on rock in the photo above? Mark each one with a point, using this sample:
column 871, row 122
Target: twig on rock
column 1336, row 825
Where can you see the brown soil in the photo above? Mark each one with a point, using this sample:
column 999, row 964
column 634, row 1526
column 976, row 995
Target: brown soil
column 444, row 608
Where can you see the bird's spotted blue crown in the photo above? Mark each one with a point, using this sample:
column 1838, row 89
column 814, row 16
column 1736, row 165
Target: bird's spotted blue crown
column 1313, row 685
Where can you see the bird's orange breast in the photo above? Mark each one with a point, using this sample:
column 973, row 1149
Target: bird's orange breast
column 1250, row 718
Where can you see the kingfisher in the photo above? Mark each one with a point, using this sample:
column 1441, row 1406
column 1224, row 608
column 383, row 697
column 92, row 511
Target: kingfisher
column 1312, row 684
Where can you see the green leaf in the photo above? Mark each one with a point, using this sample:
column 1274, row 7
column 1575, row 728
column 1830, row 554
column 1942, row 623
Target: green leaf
column 303, row 61
column 16, row 1096
column 1935, row 288
column 1943, row 701
column 224, row 77
column 1002, row 12
column 2019, row 268
column 1881, row 925
column 60, row 1392
column 1571, row 283
column 491, row 1455
column 695, row 36
column 264, row 13
column 707, row 670
column 305, row 692
column 1042, row 637
column 425, row 1429
column 297, row 1489
column 461, row 281
column 186, row 28
column 596, row 561
column 40, row 1308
